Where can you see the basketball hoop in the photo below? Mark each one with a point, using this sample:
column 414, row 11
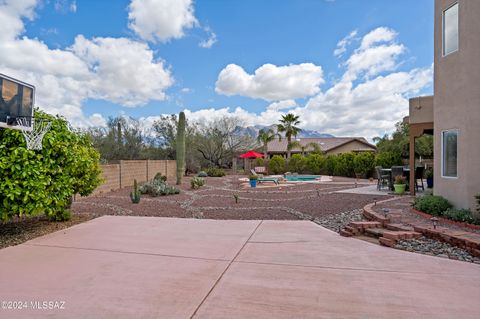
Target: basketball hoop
column 34, row 135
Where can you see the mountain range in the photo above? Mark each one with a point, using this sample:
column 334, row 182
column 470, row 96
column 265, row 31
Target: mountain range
column 253, row 131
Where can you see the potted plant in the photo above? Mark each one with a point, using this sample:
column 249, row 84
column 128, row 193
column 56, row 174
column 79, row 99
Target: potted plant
column 400, row 184
column 253, row 180
column 429, row 177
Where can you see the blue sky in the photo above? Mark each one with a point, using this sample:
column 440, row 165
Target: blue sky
column 300, row 36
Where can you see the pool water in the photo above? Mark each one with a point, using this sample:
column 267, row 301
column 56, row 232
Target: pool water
column 298, row 178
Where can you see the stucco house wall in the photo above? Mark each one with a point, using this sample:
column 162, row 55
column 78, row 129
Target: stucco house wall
column 457, row 103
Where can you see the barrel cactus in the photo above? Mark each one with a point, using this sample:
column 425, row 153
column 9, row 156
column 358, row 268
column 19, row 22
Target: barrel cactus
column 180, row 147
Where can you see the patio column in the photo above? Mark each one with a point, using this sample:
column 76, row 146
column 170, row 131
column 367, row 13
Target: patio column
column 411, row 162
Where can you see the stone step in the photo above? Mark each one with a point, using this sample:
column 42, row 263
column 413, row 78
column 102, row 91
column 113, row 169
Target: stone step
column 398, row 227
column 345, row 233
column 351, row 230
column 364, row 225
column 375, row 232
column 371, row 215
column 387, row 242
column 401, row 235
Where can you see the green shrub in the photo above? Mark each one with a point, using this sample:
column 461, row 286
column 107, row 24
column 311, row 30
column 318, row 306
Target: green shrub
column 202, row 174
column 60, row 217
column 316, row 164
column 297, row 163
column 215, row 172
column 434, row 205
column 259, row 161
column 330, row 163
column 158, row 187
column 388, row 159
column 197, row 182
column 460, row 215
column 364, row 163
column 277, row 164
column 344, row 165
column 43, row 182
column 253, row 177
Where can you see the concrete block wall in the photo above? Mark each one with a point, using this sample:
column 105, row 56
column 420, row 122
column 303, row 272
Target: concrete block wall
column 121, row 175
column 131, row 170
column 111, row 177
column 167, row 168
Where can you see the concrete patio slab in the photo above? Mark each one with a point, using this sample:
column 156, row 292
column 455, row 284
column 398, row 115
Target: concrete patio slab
column 144, row 267
column 274, row 291
column 103, row 284
column 308, row 244
column 210, row 239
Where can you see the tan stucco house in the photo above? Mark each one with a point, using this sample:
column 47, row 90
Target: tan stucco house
column 452, row 115
column 328, row 145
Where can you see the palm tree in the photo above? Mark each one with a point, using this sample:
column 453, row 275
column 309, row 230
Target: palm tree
column 312, row 145
column 288, row 126
column 264, row 137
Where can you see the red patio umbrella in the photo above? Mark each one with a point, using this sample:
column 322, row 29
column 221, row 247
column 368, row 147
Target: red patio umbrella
column 251, row 154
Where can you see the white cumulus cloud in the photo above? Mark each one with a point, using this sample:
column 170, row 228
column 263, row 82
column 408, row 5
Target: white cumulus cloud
column 342, row 44
column 271, row 82
column 161, row 20
column 114, row 69
column 368, row 107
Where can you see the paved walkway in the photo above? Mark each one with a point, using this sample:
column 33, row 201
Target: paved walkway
column 147, row 267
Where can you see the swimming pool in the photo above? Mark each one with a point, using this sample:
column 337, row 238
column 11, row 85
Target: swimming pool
column 301, row 178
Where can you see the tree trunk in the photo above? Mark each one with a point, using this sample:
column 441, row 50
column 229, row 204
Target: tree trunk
column 289, row 152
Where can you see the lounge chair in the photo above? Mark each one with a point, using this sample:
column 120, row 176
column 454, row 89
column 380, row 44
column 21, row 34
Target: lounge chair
column 262, row 178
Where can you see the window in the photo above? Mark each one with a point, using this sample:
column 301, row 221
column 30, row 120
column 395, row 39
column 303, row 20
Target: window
column 449, row 153
column 450, row 30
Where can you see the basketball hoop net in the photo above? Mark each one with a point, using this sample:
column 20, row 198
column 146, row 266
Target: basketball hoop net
column 34, row 137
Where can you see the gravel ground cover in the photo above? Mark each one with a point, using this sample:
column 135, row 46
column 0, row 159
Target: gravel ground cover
column 437, row 248
column 216, row 200
column 337, row 222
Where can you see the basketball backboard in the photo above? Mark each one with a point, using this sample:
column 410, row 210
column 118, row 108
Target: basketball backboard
column 16, row 100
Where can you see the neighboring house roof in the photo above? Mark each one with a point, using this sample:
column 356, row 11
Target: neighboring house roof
column 326, row 144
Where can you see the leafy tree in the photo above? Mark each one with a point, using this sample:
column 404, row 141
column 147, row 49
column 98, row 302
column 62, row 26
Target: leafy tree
column 344, row 165
column 364, row 163
column 288, row 126
column 304, row 148
column 276, row 164
column 316, row 163
column 218, row 142
column 36, row 182
column 297, row 163
column 388, row 159
column 121, row 139
column 399, row 142
column 264, row 137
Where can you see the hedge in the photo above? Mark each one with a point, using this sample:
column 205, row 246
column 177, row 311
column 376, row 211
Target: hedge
column 277, row 164
column 43, row 182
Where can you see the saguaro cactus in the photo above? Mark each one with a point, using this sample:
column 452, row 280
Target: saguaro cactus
column 180, row 147
column 135, row 195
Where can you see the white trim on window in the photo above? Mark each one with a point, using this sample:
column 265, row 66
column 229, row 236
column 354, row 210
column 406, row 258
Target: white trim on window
column 443, row 29
column 442, row 154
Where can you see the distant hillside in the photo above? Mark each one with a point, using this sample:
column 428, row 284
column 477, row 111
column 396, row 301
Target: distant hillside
column 253, row 131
